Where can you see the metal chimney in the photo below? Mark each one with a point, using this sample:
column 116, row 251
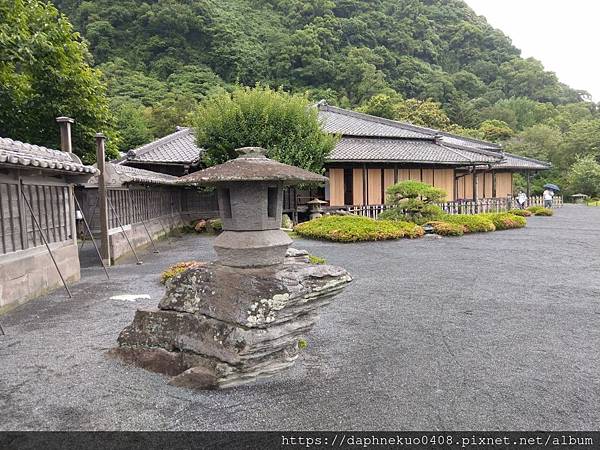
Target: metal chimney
column 65, row 133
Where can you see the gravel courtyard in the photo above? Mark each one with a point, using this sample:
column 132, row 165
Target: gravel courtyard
column 494, row 331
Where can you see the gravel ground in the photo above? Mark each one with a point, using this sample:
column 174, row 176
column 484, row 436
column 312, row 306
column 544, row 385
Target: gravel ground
column 496, row 331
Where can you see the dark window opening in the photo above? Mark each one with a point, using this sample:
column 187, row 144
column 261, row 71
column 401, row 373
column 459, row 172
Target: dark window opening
column 272, row 201
column 348, row 182
column 226, row 199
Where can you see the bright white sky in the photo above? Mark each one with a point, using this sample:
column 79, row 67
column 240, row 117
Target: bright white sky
column 563, row 34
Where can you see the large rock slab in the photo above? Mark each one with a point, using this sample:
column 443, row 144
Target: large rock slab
column 219, row 326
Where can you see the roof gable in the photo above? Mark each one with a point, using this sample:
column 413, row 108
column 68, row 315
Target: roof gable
column 175, row 148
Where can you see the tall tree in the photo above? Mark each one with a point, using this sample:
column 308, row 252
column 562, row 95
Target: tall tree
column 44, row 73
column 284, row 124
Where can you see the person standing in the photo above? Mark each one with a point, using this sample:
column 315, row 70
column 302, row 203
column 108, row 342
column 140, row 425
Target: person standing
column 521, row 199
column 548, row 196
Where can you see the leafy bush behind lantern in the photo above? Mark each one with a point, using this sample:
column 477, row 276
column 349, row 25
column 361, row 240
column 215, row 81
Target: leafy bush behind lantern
column 282, row 123
column 413, row 201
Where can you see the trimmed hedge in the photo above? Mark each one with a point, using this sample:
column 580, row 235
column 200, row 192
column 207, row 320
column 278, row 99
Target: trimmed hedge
column 540, row 211
column 521, row 212
column 446, row 228
column 356, row 228
column 505, row 221
column 471, row 223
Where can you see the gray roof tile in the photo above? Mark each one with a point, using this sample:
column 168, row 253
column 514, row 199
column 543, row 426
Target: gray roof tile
column 34, row 156
column 138, row 175
column 352, row 123
column 179, row 147
column 521, row 162
column 404, row 150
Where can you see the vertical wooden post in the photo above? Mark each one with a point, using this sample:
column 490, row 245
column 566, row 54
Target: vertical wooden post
column 102, row 200
column 528, row 183
column 493, row 184
column 475, row 186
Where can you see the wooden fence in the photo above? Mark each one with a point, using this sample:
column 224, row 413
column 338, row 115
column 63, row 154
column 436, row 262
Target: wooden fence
column 485, row 205
column 137, row 205
column 51, row 206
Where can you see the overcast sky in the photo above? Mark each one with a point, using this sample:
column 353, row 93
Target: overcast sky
column 562, row 34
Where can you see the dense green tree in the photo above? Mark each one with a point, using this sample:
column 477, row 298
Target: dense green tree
column 282, row 123
column 44, row 73
column 132, row 124
column 539, row 141
column 584, row 176
column 496, row 130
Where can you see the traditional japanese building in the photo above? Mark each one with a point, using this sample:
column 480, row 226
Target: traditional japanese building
column 374, row 153
column 38, row 243
column 175, row 154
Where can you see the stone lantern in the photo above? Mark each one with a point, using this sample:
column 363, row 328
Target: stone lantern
column 242, row 317
column 250, row 192
column 315, row 208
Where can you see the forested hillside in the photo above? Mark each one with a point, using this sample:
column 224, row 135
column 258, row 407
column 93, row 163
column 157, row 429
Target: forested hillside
column 343, row 50
column 431, row 62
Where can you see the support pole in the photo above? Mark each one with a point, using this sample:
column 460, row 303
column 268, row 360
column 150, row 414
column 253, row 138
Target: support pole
column 43, row 236
column 475, row 186
column 528, row 184
column 150, row 236
column 114, row 211
column 92, row 238
column 102, row 199
column 90, row 223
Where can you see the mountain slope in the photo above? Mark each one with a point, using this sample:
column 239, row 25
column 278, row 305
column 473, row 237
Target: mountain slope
column 343, row 50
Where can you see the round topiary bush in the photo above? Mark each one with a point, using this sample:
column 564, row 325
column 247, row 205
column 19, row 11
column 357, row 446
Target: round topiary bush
column 446, row 228
column 505, row 221
column 471, row 223
column 540, row 211
column 521, row 212
column 352, row 228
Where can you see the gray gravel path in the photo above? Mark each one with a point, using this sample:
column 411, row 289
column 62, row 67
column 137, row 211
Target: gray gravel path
column 496, row 331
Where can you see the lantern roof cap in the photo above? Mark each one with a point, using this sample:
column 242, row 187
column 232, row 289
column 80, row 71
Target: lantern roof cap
column 252, row 165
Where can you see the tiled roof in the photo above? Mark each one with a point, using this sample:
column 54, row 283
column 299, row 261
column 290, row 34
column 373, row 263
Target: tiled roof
column 179, row 147
column 405, row 150
column 16, row 153
column 352, row 123
column 521, row 162
column 137, row 175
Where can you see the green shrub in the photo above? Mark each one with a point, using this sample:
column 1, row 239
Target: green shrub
column 178, row 268
column 471, row 223
column 521, row 212
column 505, row 221
column 540, row 211
column 446, row 228
column 316, row 259
column 214, row 226
column 355, row 228
column 425, row 214
column 413, row 202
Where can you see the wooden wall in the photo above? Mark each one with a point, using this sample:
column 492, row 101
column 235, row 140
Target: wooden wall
column 374, row 187
column 50, row 201
column 357, row 184
column 504, row 184
column 336, row 187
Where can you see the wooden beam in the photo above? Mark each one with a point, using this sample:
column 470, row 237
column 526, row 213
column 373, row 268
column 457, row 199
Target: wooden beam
column 102, row 199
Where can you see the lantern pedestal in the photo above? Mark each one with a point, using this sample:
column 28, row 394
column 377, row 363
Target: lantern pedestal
column 251, row 248
column 221, row 326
